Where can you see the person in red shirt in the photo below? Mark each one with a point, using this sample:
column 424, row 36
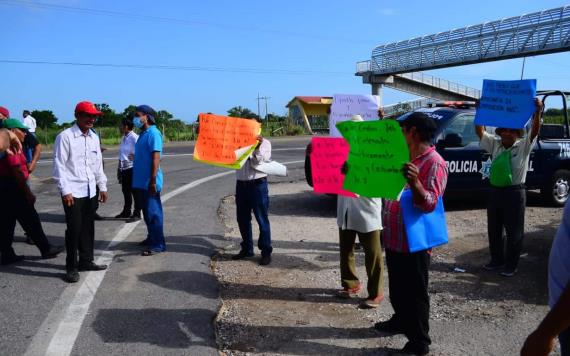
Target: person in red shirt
column 14, row 189
column 408, row 272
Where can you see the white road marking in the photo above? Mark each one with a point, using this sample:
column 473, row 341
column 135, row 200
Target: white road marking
column 61, row 328
column 167, row 155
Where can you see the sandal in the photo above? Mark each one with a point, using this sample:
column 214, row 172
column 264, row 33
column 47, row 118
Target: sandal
column 148, row 253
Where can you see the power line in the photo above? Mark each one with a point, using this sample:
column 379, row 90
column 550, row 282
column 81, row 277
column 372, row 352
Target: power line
column 111, row 13
column 180, row 68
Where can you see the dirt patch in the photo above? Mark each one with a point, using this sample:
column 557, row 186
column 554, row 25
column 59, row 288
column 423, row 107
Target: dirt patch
column 290, row 306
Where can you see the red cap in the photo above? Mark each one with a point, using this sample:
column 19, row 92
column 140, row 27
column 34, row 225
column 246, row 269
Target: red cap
column 4, row 112
column 87, row 107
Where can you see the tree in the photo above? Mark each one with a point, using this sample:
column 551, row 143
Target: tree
column 109, row 118
column 129, row 112
column 163, row 117
column 238, row 111
column 44, row 118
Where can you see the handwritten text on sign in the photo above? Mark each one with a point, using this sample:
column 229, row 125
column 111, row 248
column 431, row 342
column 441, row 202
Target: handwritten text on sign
column 328, row 154
column 378, row 152
column 345, row 106
column 508, row 104
column 221, row 136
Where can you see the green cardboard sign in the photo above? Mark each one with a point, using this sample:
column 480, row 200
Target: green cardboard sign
column 378, row 152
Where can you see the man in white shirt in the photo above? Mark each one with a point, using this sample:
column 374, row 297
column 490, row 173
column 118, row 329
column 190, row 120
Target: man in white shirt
column 29, row 121
column 78, row 171
column 125, row 173
column 252, row 194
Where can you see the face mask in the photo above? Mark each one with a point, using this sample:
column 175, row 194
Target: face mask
column 138, row 123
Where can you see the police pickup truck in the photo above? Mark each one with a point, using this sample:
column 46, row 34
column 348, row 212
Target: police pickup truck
column 469, row 166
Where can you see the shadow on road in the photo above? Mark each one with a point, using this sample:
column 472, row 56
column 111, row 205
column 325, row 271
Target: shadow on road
column 168, row 328
column 191, row 282
column 300, row 340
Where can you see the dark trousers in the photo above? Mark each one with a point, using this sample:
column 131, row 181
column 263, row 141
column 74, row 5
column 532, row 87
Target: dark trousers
column 505, row 211
column 128, row 194
column 564, row 339
column 80, row 233
column 14, row 207
column 408, row 283
column 153, row 218
column 253, row 196
column 372, row 259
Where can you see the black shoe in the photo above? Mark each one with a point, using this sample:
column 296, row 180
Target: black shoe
column 123, row 215
column 509, row 272
column 493, row 266
column 97, row 217
column 265, row 260
column 52, row 252
column 133, row 218
column 242, row 255
column 71, row 276
column 414, row 348
column 90, row 266
column 4, row 261
column 391, row 326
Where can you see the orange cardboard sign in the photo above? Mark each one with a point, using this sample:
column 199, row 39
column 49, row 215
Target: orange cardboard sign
column 221, row 136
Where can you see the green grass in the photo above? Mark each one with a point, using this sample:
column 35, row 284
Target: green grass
column 112, row 136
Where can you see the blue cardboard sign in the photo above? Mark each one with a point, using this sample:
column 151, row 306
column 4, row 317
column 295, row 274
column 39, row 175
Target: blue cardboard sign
column 506, row 103
column 424, row 230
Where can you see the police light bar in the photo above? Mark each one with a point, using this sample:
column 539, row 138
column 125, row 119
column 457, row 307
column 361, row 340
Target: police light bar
column 456, row 104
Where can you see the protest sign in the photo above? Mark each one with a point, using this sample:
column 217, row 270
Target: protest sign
column 508, row 103
column 378, row 152
column 226, row 141
column 345, row 106
column 424, row 230
column 328, row 154
column 272, row 168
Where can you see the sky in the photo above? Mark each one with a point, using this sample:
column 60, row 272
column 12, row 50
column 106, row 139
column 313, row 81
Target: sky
column 226, row 52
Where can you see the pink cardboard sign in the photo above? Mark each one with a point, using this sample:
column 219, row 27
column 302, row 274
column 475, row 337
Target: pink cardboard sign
column 328, row 154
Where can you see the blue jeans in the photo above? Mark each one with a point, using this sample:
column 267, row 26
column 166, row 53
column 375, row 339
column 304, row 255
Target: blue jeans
column 254, row 196
column 564, row 338
column 152, row 212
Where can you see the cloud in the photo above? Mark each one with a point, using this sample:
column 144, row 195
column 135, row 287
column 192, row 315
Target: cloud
column 387, row 11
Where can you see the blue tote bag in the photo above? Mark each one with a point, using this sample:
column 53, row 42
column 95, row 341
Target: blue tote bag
column 424, row 230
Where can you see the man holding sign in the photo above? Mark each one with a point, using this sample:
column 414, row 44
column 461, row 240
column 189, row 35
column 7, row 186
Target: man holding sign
column 252, row 194
column 426, row 177
column 507, row 199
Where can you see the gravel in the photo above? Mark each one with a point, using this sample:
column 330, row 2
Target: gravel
column 290, row 308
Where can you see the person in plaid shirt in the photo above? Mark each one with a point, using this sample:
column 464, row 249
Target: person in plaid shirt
column 408, row 272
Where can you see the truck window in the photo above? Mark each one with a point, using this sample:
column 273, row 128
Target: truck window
column 461, row 131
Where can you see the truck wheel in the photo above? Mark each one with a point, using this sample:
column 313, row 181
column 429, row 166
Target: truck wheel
column 558, row 191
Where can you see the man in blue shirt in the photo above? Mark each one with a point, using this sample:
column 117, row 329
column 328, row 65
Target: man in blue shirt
column 147, row 178
column 557, row 321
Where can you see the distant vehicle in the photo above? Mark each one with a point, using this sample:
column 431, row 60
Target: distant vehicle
column 469, row 166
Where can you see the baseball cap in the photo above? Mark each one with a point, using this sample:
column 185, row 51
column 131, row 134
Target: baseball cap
column 420, row 121
column 4, row 111
column 14, row 124
column 147, row 110
column 87, row 107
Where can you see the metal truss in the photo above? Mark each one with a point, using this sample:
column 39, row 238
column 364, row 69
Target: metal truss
column 527, row 35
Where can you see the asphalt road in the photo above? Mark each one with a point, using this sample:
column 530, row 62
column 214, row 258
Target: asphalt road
column 159, row 305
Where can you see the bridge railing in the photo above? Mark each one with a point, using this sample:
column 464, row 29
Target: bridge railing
column 532, row 34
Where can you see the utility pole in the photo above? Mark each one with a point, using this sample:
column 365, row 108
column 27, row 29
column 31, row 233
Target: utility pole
column 258, row 111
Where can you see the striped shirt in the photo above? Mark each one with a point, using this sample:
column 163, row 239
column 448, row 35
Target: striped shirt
column 433, row 176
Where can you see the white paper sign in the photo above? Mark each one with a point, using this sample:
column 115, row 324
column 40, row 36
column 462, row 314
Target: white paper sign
column 344, row 106
column 272, row 168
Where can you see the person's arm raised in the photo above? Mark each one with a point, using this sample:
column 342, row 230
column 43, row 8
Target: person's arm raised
column 535, row 129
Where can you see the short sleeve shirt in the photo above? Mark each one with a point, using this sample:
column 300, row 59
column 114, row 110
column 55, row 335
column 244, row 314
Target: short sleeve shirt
column 8, row 162
column 149, row 141
column 559, row 263
column 520, row 154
